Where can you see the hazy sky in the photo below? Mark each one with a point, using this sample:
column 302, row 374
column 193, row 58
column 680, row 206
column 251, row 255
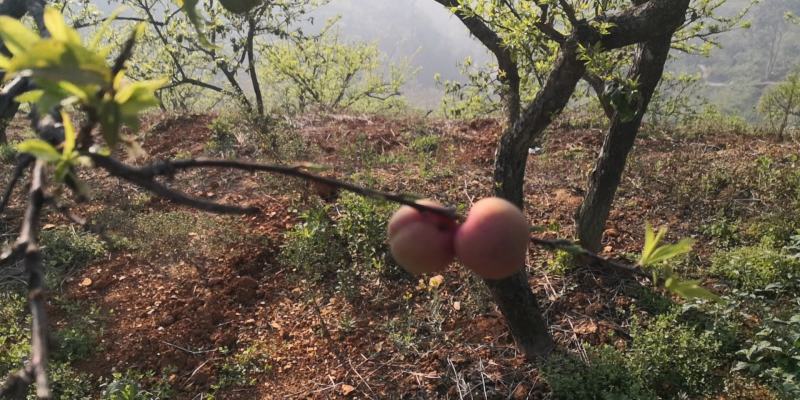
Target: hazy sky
column 422, row 31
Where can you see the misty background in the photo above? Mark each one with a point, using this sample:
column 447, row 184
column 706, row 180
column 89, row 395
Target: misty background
column 434, row 41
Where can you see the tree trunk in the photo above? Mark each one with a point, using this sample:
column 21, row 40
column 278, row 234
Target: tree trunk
column 607, row 174
column 512, row 95
column 513, row 295
column 512, row 153
column 252, row 66
column 646, row 21
column 599, row 87
column 521, row 310
column 6, row 115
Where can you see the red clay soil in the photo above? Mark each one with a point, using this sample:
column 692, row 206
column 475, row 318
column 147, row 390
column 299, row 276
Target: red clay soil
column 180, row 314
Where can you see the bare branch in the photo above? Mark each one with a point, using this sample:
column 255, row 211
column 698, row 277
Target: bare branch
column 569, row 11
column 132, row 175
column 86, row 24
column 586, row 256
column 19, row 169
column 146, row 174
column 27, row 244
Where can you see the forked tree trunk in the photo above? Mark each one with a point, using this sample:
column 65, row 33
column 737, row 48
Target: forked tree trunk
column 645, row 21
column 607, row 174
column 513, row 295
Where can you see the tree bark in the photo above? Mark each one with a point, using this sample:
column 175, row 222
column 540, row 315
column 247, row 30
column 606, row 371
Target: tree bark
column 521, row 310
column 604, row 180
column 252, row 66
column 513, row 295
column 512, row 153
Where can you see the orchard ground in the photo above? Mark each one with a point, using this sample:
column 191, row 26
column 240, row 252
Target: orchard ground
column 189, row 303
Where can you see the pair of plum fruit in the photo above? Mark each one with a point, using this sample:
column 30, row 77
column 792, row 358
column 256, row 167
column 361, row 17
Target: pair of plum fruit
column 492, row 241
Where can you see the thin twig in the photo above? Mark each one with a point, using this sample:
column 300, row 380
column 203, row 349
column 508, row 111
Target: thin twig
column 130, row 174
column 168, row 168
column 580, row 252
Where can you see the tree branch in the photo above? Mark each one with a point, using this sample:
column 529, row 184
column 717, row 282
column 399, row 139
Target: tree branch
column 23, row 162
column 133, row 175
column 599, row 87
column 587, row 257
column 147, row 174
column 36, row 371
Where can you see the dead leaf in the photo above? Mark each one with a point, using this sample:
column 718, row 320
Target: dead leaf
column 586, row 327
column 86, row 282
column 347, row 389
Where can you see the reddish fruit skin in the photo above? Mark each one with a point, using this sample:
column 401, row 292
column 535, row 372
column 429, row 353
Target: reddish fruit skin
column 421, row 242
column 493, row 241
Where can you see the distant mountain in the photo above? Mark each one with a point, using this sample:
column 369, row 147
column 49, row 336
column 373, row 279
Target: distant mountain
column 749, row 59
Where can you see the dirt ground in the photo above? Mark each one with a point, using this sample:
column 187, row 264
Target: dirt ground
column 181, row 315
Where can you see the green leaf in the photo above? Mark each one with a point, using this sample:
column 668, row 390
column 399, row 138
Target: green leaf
column 69, row 136
column 140, row 92
column 62, row 169
column 53, row 60
column 110, row 118
column 651, row 240
column 689, row 290
column 669, row 251
column 15, row 36
column 653, row 254
column 39, row 149
column 32, row 96
column 58, row 29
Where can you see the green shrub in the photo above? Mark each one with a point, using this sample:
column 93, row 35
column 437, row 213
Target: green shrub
column 712, row 119
column 775, row 228
column 649, row 300
column 773, row 355
column 674, row 359
column 606, row 377
column 65, row 249
column 244, row 368
column 223, row 139
column 133, row 385
column 560, row 263
column 7, row 153
column 754, row 267
column 313, row 246
column 426, row 144
column 350, row 246
column 67, row 383
column 14, row 332
column 77, row 337
column 363, row 225
column 723, row 231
